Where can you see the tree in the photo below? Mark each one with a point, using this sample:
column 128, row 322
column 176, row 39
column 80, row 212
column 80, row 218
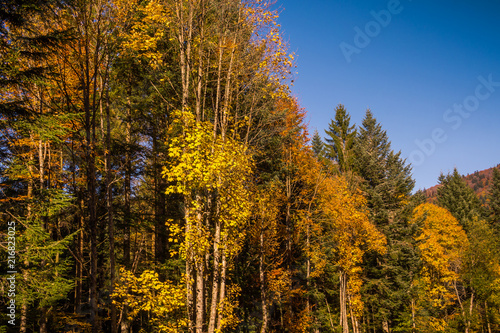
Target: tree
column 443, row 244
column 341, row 139
column 318, row 146
column 386, row 182
column 348, row 230
column 494, row 199
column 212, row 174
column 164, row 301
column 478, row 294
column 455, row 195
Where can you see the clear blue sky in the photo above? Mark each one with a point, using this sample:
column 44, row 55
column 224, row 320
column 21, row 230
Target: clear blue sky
column 428, row 70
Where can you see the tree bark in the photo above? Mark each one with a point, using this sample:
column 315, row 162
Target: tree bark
column 109, row 208
column 263, row 293
column 215, row 282
column 343, row 303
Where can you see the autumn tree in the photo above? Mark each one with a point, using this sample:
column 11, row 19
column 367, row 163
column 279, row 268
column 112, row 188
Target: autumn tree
column 348, row 228
column 442, row 243
column 212, row 175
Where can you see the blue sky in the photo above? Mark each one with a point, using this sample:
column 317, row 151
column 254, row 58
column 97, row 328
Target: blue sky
column 428, row 70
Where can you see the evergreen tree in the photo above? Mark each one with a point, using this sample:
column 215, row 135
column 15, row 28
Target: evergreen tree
column 494, row 199
column 387, row 178
column 341, row 137
column 318, row 146
column 387, row 184
column 455, row 195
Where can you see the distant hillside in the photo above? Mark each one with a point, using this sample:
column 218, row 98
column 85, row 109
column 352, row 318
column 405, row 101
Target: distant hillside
column 479, row 181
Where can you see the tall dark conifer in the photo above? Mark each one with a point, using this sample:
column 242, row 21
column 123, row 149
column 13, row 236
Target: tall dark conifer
column 387, row 183
column 494, row 199
column 340, row 141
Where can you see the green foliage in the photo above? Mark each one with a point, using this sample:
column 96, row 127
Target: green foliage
column 494, row 199
column 458, row 198
column 341, row 139
column 318, row 146
column 162, row 136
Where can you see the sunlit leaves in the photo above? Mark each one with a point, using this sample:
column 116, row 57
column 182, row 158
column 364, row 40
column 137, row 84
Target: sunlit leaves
column 442, row 243
column 164, row 301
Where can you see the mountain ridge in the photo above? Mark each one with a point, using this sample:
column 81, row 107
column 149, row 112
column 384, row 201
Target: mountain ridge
column 479, row 181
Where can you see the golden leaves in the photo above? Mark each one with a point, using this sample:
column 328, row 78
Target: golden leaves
column 164, row 301
column 442, row 244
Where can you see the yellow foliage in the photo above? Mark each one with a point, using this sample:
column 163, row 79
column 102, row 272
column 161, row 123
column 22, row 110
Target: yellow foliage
column 149, row 23
column 165, row 301
column 202, row 163
column 443, row 244
column 350, row 230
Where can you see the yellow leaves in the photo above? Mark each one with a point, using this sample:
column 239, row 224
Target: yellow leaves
column 209, row 170
column 442, row 244
column 230, row 303
column 164, row 301
column 149, row 24
column 442, row 241
column 349, row 224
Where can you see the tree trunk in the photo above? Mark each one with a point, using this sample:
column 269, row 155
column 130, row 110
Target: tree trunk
column 215, row 283
column 200, row 275
column 329, row 314
column 488, row 324
column 413, row 324
column 189, row 270
column 262, row 278
column 24, row 307
column 461, row 306
column 127, row 183
column 44, row 320
column 343, row 303
column 161, row 248
column 109, row 208
column 222, row 286
column 200, row 297
column 354, row 319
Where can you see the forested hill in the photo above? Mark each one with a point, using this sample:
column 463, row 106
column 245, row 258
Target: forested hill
column 479, row 181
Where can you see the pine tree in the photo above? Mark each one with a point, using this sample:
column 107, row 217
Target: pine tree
column 341, row 137
column 455, row 195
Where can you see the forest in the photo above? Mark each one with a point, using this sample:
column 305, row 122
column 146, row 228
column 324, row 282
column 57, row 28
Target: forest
column 157, row 175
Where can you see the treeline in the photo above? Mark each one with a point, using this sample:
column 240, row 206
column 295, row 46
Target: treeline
column 160, row 178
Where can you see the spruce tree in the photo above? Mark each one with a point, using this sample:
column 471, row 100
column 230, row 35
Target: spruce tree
column 387, row 184
column 455, row 195
column 318, row 146
column 387, row 178
column 341, row 136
